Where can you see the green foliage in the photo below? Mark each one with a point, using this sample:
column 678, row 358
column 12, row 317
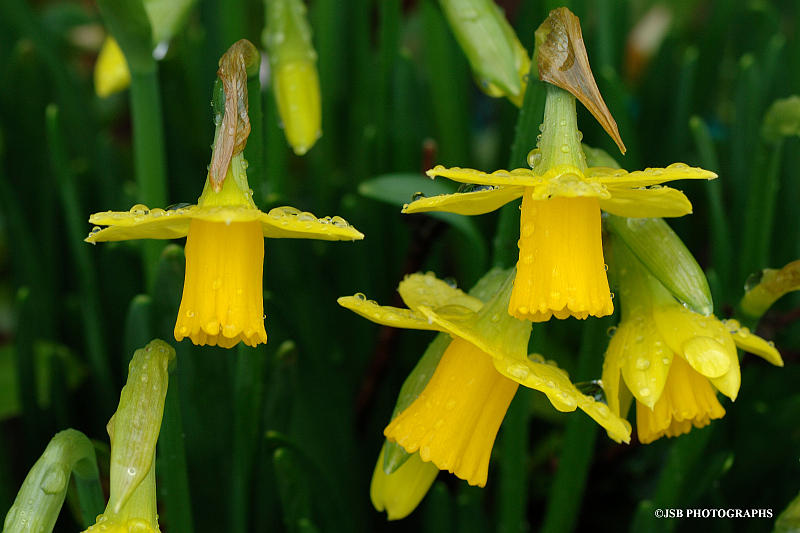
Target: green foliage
column 284, row 437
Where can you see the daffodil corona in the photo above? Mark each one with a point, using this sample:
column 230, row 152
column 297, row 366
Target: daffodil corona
column 454, row 421
column 672, row 360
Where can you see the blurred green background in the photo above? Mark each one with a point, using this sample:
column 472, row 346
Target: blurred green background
column 285, row 437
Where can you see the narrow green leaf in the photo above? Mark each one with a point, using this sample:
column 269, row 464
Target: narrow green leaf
column 293, row 488
column 74, row 214
column 721, row 244
column 129, row 24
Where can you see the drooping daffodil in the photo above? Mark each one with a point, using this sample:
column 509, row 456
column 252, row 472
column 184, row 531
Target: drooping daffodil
column 672, row 360
column 454, row 421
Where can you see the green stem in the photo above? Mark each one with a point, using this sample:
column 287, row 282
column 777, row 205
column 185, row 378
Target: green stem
column 673, row 482
column 513, row 471
column 148, row 150
column 760, row 214
column 87, row 275
column 248, row 398
column 172, row 458
column 566, row 493
column 722, row 254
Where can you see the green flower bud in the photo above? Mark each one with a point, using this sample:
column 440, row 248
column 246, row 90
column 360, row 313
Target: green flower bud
column 497, row 58
column 666, row 257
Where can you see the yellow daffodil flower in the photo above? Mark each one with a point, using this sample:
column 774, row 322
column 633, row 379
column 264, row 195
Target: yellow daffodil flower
column 672, row 360
column 454, row 421
column 222, row 300
column 561, row 271
column 134, row 430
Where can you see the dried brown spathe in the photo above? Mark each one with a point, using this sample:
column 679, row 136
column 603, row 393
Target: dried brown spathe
column 235, row 127
column 563, row 62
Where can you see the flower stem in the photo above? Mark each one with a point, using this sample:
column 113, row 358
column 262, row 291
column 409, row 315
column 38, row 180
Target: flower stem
column 148, row 150
column 566, row 493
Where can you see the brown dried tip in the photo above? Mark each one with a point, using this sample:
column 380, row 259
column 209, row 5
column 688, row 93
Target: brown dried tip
column 235, row 127
column 564, row 63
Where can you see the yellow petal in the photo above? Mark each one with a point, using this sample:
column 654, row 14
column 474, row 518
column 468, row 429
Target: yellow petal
column 611, row 373
column 707, row 356
column 469, row 203
column 752, row 343
column 280, row 223
column 618, row 178
column 455, row 420
column 647, row 203
column 223, row 300
column 680, row 327
column 111, row 72
column 560, row 271
column 554, row 382
column 646, row 359
column 464, row 327
column 729, row 383
column 386, row 315
column 519, row 177
column 688, row 400
column 288, row 222
column 428, row 290
column 400, row 492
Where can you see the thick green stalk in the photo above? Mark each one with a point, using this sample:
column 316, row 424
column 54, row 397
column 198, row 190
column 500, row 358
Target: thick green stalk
column 721, row 249
column 566, row 493
column 248, row 402
column 513, row 472
column 87, row 275
column 148, row 150
column 760, row 214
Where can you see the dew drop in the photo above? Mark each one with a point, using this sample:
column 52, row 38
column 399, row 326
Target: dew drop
column 565, row 148
column 611, row 331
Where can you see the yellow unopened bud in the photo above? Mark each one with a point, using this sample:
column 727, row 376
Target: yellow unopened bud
column 295, row 80
column 111, row 72
column 399, row 493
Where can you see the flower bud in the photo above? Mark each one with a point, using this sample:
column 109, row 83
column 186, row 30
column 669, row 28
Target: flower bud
column 498, row 59
column 295, row 80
